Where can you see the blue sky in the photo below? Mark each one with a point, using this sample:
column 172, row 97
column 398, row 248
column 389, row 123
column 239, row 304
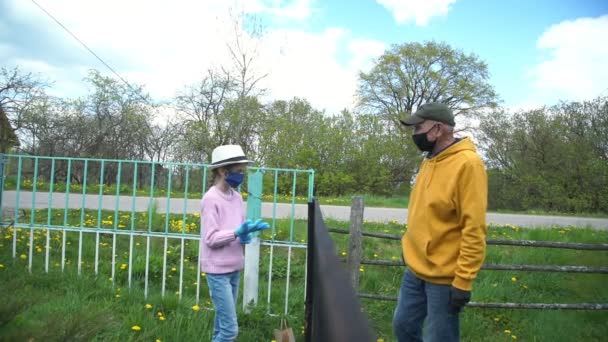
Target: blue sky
column 502, row 33
column 537, row 51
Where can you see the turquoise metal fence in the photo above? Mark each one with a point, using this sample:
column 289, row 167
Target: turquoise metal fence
column 150, row 211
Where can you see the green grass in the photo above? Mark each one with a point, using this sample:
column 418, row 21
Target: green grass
column 65, row 306
column 551, row 213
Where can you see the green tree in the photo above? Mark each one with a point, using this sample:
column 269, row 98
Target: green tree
column 8, row 138
column 411, row 74
column 552, row 159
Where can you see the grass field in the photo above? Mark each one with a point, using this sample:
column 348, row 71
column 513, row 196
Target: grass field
column 58, row 306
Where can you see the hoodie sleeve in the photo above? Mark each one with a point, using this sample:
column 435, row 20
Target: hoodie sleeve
column 472, row 201
column 213, row 236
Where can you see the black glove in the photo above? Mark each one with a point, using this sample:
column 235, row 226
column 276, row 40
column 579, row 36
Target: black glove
column 458, row 299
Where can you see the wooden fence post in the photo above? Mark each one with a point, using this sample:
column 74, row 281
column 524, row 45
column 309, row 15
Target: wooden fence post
column 355, row 248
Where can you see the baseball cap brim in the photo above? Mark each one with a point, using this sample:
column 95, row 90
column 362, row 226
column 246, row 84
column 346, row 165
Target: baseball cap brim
column 412, row 120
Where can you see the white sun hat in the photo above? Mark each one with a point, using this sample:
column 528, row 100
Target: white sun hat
column 226, row 155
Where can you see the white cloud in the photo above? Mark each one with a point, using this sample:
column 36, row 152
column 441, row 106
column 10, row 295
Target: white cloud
column 576, row 63
column 296, row 9
column 167, row 45
column 420, row 11
column 364, row 51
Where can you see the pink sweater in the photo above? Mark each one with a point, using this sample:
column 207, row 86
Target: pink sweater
column 221, row 214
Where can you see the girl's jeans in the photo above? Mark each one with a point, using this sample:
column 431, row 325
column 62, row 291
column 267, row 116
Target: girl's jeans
column 223, row 289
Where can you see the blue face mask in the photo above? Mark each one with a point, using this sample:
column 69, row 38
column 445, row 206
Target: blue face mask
column 234, row 179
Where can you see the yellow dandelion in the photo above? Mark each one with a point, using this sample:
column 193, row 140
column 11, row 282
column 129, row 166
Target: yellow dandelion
column 507, row 331
column 514, row 337
column 117, row 295
column 380, row 340
column 136, row 328
column 177, row 293
column 196, row 308
column 23, row 256
column 173, row 269
column 158, row 340
column 160, row 313
column 148, row 306
column 162, row 318
column 123, row 266
column 343, row 253
column 361, row 269
column 514, row 279
column 1, row 265
column 203, row 274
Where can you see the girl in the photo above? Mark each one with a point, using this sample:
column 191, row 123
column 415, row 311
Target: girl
column 224, row 231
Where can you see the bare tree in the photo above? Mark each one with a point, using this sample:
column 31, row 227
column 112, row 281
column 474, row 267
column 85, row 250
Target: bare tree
column 18, row 91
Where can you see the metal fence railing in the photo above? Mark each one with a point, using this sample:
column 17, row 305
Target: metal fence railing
column 138, row 222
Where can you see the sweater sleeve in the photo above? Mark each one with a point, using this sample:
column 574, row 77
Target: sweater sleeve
column 472, row 198
column 213, row 236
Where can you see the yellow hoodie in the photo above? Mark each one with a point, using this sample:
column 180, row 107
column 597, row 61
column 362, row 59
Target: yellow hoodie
column 445, row 242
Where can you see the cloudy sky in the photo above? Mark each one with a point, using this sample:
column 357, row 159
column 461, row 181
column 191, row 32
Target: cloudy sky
column 538, row 51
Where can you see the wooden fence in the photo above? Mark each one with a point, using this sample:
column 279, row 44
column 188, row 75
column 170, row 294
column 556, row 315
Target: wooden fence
column 355, row 252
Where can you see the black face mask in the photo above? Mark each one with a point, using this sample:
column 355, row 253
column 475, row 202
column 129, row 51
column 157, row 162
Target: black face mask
column 422, row 142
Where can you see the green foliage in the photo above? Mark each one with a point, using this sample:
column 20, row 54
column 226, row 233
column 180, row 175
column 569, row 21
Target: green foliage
column 550, row 159
column 410, row 74
column 553, row 159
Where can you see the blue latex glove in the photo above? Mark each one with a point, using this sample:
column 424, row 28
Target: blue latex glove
column 258, row 226
column 249, row 227
column 245, row 239
column 243, row 229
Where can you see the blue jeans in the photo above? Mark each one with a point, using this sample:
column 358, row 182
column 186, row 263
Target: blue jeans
column 423, row 302
column 224, row 289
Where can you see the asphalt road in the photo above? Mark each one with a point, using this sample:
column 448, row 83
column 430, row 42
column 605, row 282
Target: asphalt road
column 281, row 210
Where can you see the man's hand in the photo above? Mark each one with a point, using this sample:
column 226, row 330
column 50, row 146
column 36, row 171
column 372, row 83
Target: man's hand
column 458, row 299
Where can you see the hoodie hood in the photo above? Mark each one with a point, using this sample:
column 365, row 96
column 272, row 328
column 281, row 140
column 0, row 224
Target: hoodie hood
column 462, row 145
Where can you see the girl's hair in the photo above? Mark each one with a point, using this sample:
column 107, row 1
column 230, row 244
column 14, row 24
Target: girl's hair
column 215, row 175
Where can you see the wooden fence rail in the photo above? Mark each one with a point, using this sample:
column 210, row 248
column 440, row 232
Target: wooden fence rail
column 355, row 259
